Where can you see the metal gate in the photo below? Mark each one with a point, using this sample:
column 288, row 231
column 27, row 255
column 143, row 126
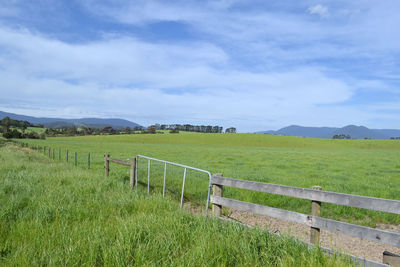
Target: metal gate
column 149, row 159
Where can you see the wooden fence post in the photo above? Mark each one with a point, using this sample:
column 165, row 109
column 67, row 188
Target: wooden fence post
column 391, row 259
column 88, row 161
column 59, row 154
column 217, row 191
column 49, row 152
column 76, row 160
column 106, row 165
column 132, row 172
column 315, row 211
column 66, row 155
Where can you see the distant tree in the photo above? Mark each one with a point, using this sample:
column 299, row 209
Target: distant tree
column 12, row 134
column 107, row 129
column 128, row 130
column 230, row 130
column 341, row 136
column 215, row 129
column 6, row 122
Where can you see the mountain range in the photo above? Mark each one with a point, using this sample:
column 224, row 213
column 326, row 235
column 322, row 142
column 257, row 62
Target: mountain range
column 355, row 132
column 83, row 122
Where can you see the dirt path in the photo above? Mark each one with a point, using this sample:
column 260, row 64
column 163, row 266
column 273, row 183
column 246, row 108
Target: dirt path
column 343, row 243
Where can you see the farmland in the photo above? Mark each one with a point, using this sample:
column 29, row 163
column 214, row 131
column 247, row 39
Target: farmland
column 362, row 167
column 54, row 214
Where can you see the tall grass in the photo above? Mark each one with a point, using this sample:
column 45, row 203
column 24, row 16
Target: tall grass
column 361, row 167
column 53, row 214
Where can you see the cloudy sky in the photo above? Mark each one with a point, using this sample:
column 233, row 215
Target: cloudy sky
column 256, row 65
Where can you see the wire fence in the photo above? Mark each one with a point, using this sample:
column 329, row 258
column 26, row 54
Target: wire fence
column 185, row 184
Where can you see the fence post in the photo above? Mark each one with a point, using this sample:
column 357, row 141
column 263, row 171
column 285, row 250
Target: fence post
column 76, row 163
column 66, row 155
column 217, row 191
column 132, row 172
column 59, row 154
column 106, row 165
column 148, row 177
column 136, row 171
column 49, row 152
column 88, row 161
column 391, row 259
column 315, row 211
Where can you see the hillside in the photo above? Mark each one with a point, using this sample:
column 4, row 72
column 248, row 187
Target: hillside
column 59, row 122
column 356, row 132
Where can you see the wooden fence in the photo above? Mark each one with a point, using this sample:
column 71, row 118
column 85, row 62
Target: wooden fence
column 314, row 221
column 131, row 164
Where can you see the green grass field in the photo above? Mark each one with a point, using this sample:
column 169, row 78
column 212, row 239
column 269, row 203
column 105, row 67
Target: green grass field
column 362, row 167
column 31, row 129
column 36, row 130
column 54, row 214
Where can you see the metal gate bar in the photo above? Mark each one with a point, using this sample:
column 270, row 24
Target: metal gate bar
column 165, row 172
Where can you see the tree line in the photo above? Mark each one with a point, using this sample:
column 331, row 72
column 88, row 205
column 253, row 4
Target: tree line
column 16, row 129
column 341, row 136
column 74, row 131
column 192, row 128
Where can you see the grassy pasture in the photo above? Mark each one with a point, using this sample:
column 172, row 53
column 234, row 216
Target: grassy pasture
column 36, row 130
column 53, row 214
column 31, row 129
column 362, row 167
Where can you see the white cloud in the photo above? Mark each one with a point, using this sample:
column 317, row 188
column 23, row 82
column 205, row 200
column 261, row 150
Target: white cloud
column 319, row 10
column 248, row 67
column 132, row 78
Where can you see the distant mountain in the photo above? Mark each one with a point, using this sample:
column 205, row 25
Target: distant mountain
column 59, row 123
column 360, row 132
column 295, row 130
column 355, row 132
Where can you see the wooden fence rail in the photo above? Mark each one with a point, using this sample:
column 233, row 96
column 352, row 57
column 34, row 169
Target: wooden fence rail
column 314, row 221
column 131, row 164
column 371, row 203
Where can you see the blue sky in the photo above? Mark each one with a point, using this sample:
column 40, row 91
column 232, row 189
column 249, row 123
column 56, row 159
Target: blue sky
column 256, row 65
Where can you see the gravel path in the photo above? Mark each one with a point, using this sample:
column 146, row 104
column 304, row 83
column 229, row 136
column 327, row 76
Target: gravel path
column 343, row 243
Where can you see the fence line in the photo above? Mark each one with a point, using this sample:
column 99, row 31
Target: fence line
column 371, row 203
column 314, row 221
column 51, row 152
column 316, row 195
